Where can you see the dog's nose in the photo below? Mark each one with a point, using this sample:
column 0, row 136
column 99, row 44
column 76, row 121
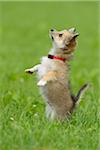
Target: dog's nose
column 52, row 30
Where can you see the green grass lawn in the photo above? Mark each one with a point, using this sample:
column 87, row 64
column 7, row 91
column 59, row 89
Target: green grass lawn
column 24, row 39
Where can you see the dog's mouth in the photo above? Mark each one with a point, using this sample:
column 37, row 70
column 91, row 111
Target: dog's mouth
column 51, row 32
column 52, row 37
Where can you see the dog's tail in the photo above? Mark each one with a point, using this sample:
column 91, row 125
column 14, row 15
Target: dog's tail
column 80, row 93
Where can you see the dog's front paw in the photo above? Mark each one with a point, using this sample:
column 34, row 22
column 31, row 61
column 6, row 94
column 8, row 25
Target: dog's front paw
column 42, row 83
column 29, row 71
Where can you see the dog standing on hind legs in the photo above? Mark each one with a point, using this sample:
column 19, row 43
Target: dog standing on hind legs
column 53, row 75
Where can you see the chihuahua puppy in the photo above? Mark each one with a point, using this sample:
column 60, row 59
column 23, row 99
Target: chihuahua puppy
column 53, row 75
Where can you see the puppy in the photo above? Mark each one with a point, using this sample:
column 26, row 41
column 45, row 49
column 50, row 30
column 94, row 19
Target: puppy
column 53, row 75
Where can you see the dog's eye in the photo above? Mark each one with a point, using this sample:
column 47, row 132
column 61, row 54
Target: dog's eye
column 60, row 35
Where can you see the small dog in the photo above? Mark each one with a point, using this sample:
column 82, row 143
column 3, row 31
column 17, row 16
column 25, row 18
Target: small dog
column 53, row 74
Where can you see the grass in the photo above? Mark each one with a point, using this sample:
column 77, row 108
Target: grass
column 24, row 39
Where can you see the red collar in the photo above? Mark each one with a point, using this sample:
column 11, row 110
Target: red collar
column 55, row 57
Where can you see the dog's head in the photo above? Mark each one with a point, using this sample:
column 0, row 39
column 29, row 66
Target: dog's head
column 64, row 40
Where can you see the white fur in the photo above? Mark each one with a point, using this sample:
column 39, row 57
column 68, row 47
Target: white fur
column 41, row 83
column 50, row 112
column 44, row 67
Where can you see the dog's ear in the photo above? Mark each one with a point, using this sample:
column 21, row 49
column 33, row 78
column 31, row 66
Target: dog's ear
column 72, row 39
column 72, row 30
column 75, row 35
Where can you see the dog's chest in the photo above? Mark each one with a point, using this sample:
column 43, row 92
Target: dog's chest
column 46, row 66
column 52, row 65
